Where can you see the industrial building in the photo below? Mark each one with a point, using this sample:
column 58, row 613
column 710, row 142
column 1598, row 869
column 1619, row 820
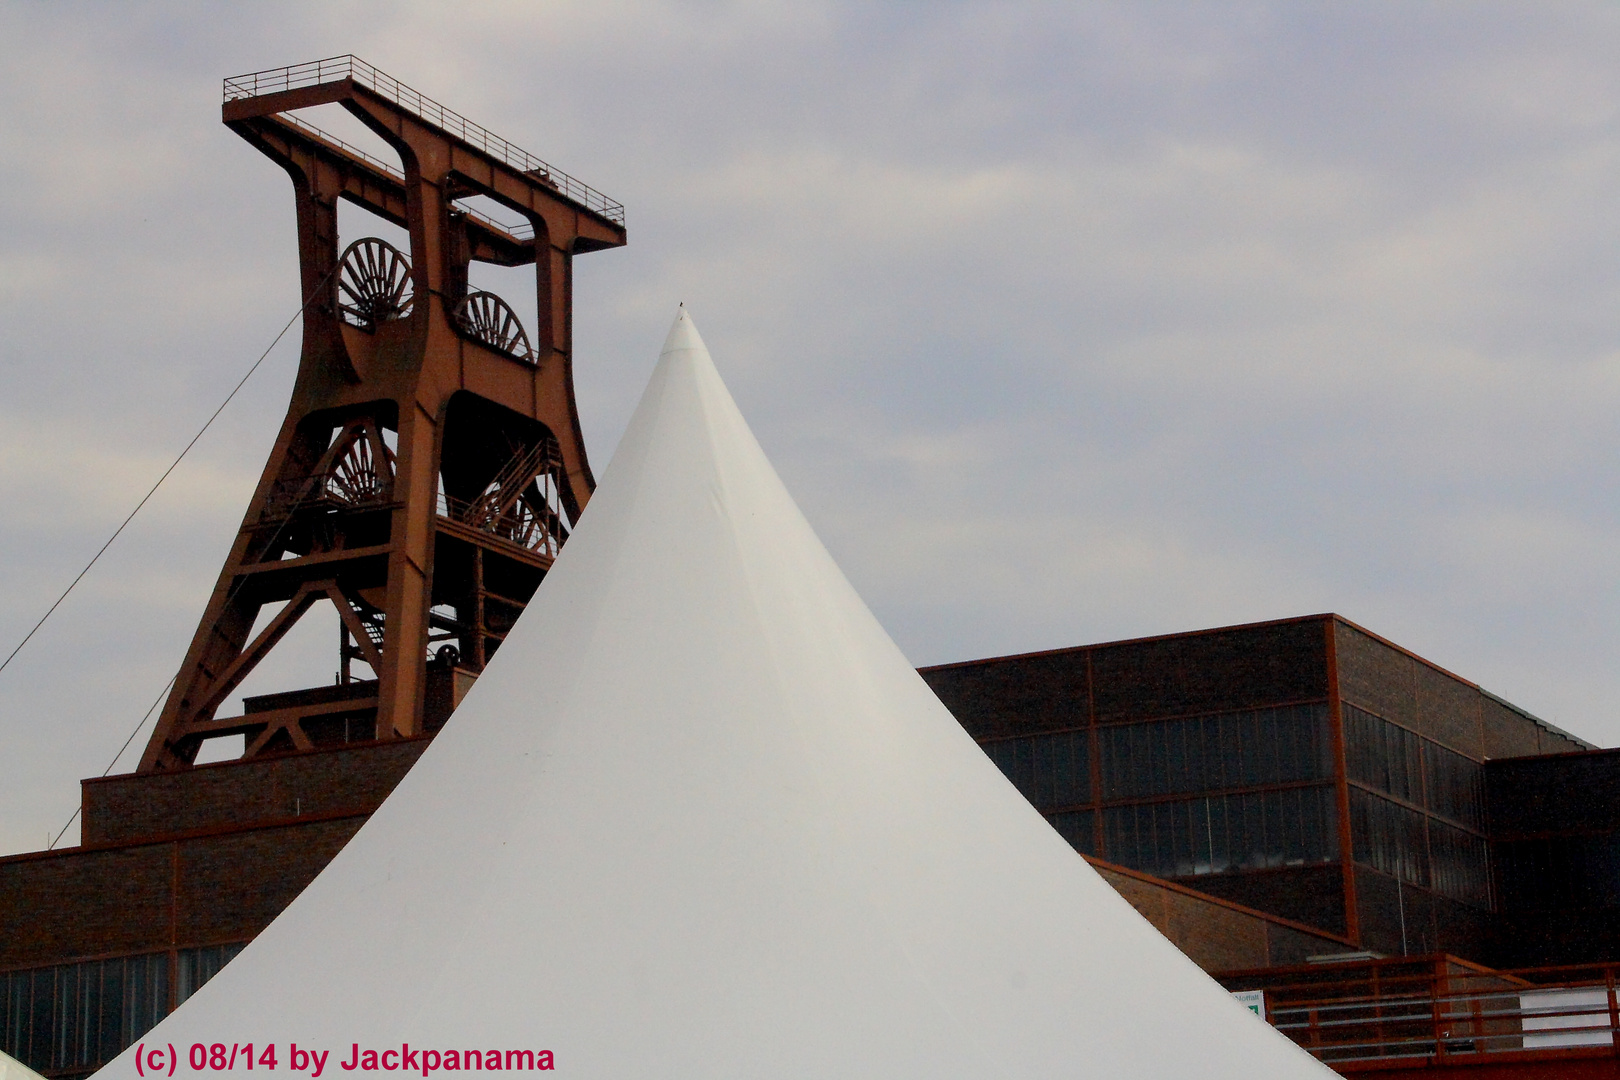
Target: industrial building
column 1313, row 770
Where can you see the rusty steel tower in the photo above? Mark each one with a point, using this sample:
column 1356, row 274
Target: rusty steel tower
column 430, row 463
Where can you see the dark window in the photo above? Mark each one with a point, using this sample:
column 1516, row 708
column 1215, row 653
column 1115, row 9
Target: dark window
column 1420, row 771
column 1419, row 850
column 1076, row 826
column 1455, row 785
column 1389, row 837
column 1382, row 755
column 77, row 1016
column 1212, row 753
column 196, row 966
column 1245, row 831
column 1050, row 770
column 1459, row 864
column 1411, row 844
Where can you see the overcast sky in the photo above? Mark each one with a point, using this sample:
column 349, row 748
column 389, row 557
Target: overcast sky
column 1064, row 323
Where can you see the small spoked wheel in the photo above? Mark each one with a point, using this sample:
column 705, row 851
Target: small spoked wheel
column 374, row 283
column 485, row 317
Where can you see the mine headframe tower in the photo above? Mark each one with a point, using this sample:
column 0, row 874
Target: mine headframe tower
column 430, row 464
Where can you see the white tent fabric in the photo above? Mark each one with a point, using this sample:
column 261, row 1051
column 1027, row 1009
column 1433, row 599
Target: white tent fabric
column 700, row 818
column 12, row 1069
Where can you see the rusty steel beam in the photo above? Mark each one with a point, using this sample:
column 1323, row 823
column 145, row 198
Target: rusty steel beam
column 1341, row 788
column 372, row 184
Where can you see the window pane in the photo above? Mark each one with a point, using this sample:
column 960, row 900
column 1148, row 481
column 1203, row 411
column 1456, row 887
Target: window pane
column 1076, row 827
column 44, row 1031
column 1229, row 751
column 1319, row 820
column 1212, row 753
column 1062, row 779
column 1041, row 772
column 1455, row 785
column 1176, row 775
column 1459, row 865
column 1389, row 837
column 1024, row 766
column 1264, row 749
column 1050, row 770
column 1243, row 831
column 1217, row 822
column 1178, row 817
column 1254, row 832
column 1156, row 780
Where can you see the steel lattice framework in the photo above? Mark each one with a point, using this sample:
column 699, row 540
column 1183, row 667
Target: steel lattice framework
column 430, row 462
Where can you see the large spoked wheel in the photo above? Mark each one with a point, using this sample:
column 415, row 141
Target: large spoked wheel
column 523, row 526
column 374, row 283
column 485, row 317
column 354, row 478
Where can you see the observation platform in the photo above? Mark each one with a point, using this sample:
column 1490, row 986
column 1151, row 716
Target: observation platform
column 319, row 82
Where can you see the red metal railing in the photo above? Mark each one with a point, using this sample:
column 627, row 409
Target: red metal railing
column 337, row 68
column 540, row 531
column 1443, row 1011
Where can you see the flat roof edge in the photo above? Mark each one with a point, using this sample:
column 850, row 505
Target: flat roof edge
column 1539, row 722
column 1061, row 650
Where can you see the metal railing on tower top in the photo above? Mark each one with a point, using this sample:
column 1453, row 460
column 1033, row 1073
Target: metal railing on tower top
column 338, row 68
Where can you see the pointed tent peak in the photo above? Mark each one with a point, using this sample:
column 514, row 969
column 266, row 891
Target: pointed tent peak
column 700, row 819
column 683, row 336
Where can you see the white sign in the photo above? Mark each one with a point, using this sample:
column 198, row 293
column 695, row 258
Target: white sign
column 1254, row 999
column 1543, row 1009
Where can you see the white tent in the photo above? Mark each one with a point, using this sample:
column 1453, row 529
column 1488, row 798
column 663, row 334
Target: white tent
column 700, row 818
column 12, row 1069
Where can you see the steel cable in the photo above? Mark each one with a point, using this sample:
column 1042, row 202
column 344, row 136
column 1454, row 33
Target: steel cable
column 144, row 500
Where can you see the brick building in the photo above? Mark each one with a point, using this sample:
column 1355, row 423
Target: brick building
column 1313, row 770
